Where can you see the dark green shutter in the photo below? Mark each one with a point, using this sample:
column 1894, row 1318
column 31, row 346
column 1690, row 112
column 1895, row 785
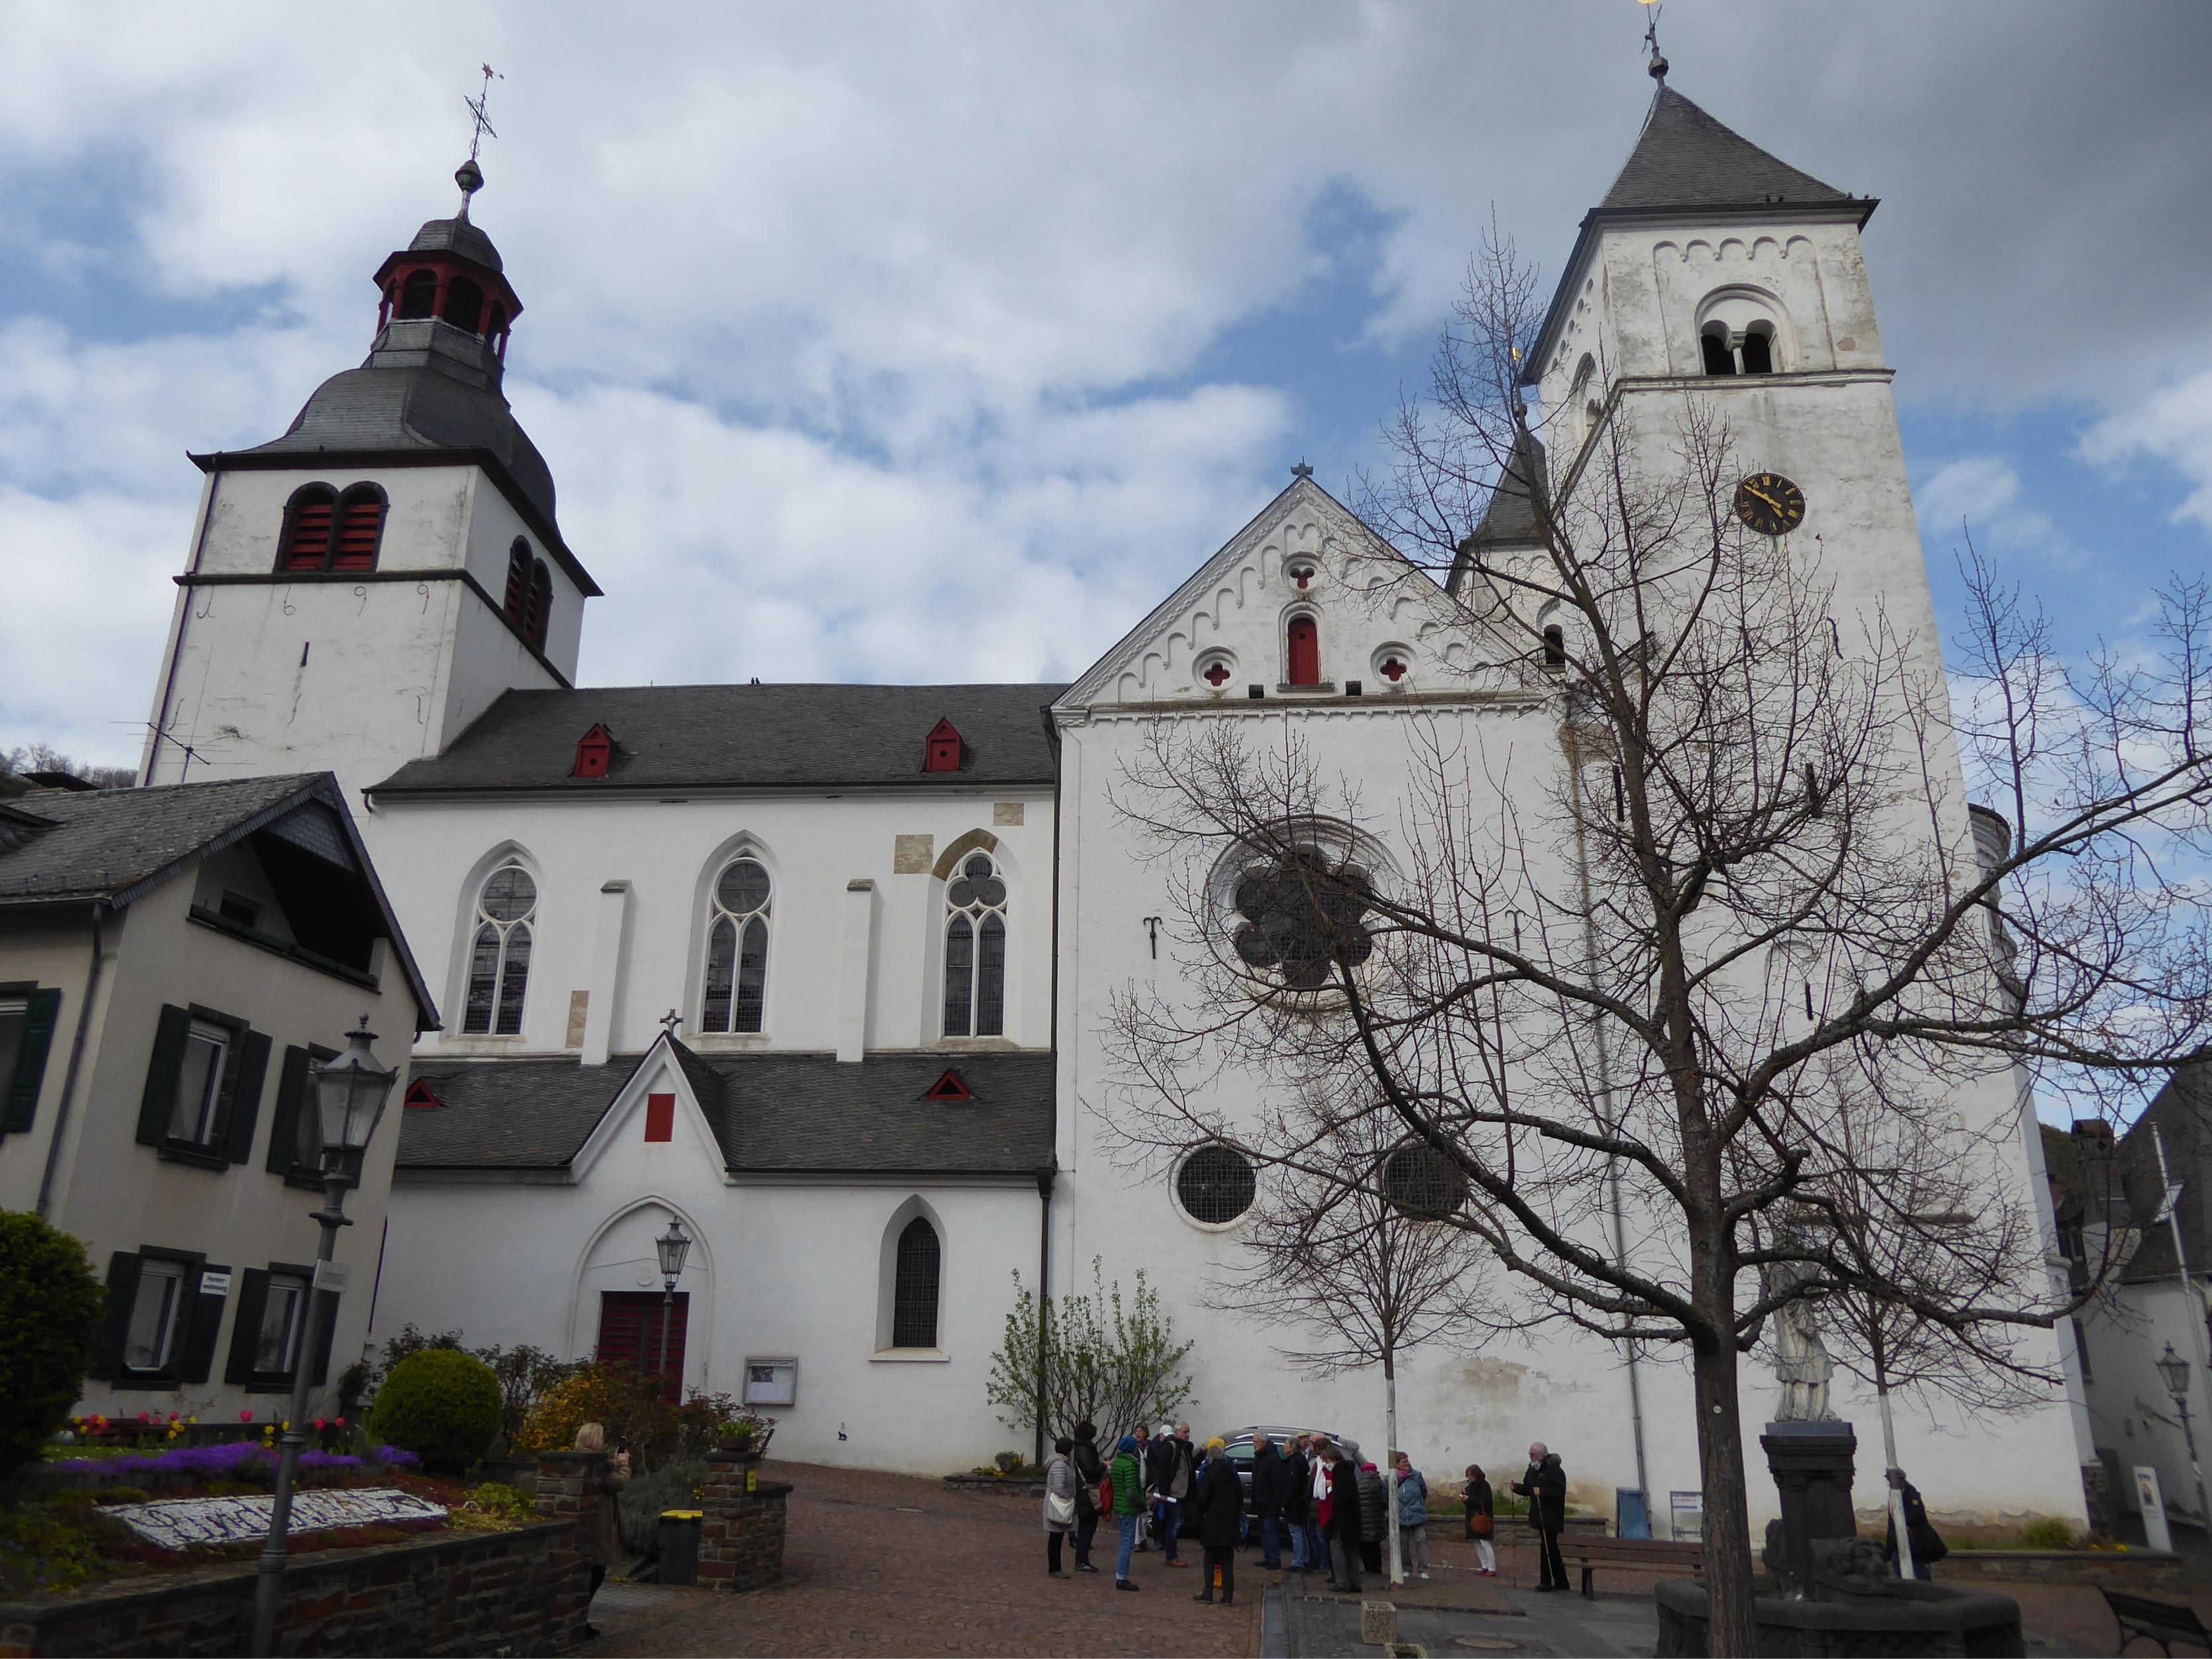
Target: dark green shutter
column 325, row 1327
column 200, row 1335
column 245, row 1099
column 291, row 1100
column 169, row 1064
column 245, row 1334
column 115, row 1330
column 23, row 1103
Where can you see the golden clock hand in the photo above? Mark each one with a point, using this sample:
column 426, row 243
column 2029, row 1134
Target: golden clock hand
column 1762, row 495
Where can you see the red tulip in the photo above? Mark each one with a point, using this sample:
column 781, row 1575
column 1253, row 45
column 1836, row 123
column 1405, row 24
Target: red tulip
column 145, row 1417
column 246, row 1416
column 342, row 1422
column 321, row 1423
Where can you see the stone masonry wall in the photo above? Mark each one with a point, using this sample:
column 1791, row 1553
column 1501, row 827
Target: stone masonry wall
column 519, row 1592
column 741, row 1531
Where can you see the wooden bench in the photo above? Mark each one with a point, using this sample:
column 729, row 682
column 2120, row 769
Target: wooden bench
column 2163, row 1622
column 1650, row 1554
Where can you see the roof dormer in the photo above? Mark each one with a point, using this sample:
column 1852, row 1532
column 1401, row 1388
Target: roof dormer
column 943, row 749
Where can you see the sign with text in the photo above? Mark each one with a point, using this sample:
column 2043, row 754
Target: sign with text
column 2155, row 1532
column 178, row 1524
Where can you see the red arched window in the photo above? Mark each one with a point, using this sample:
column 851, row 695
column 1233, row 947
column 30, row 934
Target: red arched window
column 360, row 528
column 517, row 581
column 539, row 610
column 308, row 520
column 1304, row 652
column 418, row 294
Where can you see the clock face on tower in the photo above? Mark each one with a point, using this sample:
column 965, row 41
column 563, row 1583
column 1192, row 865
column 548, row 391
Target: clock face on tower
column 1770, row 503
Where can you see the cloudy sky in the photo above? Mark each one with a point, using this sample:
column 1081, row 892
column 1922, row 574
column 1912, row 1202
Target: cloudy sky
column 939, row 341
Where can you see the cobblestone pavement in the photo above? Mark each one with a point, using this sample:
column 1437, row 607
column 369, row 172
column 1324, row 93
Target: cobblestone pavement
column 891, row 1565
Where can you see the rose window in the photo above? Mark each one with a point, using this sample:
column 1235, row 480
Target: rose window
column 1300, row 916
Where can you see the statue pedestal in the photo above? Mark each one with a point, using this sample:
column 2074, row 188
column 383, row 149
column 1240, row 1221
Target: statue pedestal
column 1812, row 1464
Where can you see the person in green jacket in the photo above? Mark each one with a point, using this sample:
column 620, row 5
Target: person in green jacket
column 1127, row 1477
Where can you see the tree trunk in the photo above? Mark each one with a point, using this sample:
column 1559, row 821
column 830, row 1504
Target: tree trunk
column 1390, row 1472
column 1727, row 1521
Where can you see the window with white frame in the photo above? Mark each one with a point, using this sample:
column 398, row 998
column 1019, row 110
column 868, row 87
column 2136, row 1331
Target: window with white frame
column 499, row 954
column 196, row 1112
column 975, row 949
column 156, row 1311
column 736, row 993
column 283, row 1320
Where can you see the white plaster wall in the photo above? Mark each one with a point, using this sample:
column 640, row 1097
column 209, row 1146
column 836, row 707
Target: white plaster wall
column 433, row 854
column 777, row 1271
column 2130, row 1412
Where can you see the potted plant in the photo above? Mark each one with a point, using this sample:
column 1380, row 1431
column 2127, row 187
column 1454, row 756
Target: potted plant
column 744, row 1434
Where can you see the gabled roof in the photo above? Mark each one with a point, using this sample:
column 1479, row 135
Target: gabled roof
column 691, row 737
column 771, row 1114
column 110, row 847
column 1685, row 158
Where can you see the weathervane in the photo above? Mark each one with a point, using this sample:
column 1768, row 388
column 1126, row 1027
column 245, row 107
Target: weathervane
column 1658, row 68
column 469, row 176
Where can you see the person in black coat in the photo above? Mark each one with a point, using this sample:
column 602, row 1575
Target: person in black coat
column 1298, row 1500
column 1218, row 1510
column 1544, row 1486
column 1090, row 1470
column 1346, row 1531
column 1170, row 1468
column 1268, row 1495
column 1374, row 1517
column 1928, row 1545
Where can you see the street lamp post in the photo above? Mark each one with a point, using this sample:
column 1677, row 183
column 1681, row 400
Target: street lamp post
column 672, row 1247
column 2173, row 1369
column 350, row 1092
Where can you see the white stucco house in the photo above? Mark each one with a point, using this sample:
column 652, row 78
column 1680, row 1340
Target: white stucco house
column 822, row 972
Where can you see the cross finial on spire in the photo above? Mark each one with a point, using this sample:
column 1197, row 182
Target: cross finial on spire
column 1657, row 68
column 469, row 176
column 669, row 1021
column 1301, row 471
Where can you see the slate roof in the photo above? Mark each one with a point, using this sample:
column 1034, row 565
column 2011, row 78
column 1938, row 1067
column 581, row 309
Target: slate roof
column 771, row 1114
column 1685, row 158
column 1511, row 514
column 2182, row 1113
column 680, row 737
column 456, row 235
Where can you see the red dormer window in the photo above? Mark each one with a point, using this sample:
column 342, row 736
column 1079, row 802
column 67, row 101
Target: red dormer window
column 951, row 1089
column 419, row 1098
column 595, row 752
column 941, row 751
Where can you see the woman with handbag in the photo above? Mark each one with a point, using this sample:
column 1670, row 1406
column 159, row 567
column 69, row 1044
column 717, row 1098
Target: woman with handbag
column 1481, row 1521
column 1060, row 1488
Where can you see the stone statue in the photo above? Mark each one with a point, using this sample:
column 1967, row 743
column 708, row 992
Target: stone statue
column 1801, row 1364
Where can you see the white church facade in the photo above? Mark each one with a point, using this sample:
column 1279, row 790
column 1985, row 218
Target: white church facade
column 824, row 972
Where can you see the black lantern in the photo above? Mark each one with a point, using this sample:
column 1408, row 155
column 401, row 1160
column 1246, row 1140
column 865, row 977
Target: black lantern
column 350, row 1092
column 673, row 1246
column 2175, row 1371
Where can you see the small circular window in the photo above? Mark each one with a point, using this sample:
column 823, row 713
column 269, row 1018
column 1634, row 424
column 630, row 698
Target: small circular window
column 1215, row 1184
column 1420, row 1181
column 1299, row 915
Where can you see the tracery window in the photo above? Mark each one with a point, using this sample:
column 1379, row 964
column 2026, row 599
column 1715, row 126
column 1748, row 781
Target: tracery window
column 737, row 950
column 915, row 1285
column 975, row 949
column 1298, row 916
column 499, row 954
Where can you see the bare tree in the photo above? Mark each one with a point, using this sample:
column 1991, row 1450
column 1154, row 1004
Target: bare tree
column 1359, row 1256
column 1621, row 985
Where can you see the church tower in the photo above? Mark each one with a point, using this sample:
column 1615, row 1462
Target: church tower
column 360, row 589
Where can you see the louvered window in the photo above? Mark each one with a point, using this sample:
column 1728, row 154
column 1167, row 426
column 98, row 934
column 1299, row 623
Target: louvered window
column 308, row 523
column 325, row 531
column 915, row 1287
column 360, row 529
column 517, row 581
column 538, row 611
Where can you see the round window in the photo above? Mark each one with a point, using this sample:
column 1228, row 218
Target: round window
column 1299, row 916
column 509, row 896
column 1420, row 1181
column 1216, row 1184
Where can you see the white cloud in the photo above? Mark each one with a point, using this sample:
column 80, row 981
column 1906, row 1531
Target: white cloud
column 1981, row 494
column 2173, row 426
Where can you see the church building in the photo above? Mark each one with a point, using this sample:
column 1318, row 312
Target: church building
column 821, row 973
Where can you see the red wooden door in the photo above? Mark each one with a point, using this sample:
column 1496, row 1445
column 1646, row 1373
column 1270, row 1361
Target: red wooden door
column 629, row 1334
column 1305, row 652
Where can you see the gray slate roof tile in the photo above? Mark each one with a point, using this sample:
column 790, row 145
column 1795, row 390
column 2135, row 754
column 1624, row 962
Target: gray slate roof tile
column 1685, row 158
column 676, row 737
column 105, row 841
column 792, row 1114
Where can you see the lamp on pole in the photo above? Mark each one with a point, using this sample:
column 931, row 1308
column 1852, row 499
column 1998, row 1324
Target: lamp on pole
column 350, row 1092
column 672, row 1247
column 2173, row 1371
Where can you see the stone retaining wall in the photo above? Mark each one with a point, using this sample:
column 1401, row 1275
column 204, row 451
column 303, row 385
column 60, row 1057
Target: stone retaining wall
column 2123, row 1570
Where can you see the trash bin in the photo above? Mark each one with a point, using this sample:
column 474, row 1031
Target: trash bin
column 679, row 1546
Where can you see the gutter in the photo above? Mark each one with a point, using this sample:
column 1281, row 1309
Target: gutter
column 75, row 1063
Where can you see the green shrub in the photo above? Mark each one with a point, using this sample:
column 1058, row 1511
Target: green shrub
column 2046, row 1532
column 441, row 1404
column 44, row 1550
column 631, row 1408
column 672, row 1486
column 50, row 1311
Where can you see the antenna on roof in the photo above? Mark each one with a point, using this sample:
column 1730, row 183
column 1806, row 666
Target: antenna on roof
column 469, row 176
column 1657, row 70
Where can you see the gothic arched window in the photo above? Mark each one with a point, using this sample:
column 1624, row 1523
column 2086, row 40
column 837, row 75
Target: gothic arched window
column 736, row 997
column 975, row 949
column 1303, row 656
column 499, row 953
column 916, row 1285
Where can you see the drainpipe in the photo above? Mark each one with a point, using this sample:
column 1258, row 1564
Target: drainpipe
column 68, row 1078
column 1045, row 1178
column 1605, row 1093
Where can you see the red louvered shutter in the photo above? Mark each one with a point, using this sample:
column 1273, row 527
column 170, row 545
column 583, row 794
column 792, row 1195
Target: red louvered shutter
column 517, row 581
column 309, row 543
column 540, row 608
column 360, row 526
